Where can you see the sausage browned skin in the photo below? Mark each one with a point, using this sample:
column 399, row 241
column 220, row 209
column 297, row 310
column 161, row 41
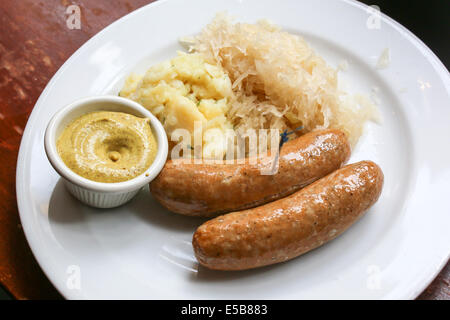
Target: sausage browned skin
column 286, row 228
column 212, row 189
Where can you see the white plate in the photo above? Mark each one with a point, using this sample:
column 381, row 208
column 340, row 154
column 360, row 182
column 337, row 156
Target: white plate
column 142, row 251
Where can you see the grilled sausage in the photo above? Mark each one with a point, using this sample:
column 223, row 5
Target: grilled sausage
column 286, row 228
column 212, row 189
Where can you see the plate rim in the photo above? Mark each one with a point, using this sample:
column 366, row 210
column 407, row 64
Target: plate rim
column 411, row 292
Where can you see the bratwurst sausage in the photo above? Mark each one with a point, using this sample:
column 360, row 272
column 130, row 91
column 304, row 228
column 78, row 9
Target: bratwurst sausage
column 286, row 228
column 212, row 189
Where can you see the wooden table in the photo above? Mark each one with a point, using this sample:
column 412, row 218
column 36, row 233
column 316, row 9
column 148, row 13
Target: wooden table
column 34, row 42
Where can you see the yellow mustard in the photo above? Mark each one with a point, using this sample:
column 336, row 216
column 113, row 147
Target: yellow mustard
column 108, row 146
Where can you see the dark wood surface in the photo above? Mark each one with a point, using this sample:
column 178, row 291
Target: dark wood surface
column 34, row 42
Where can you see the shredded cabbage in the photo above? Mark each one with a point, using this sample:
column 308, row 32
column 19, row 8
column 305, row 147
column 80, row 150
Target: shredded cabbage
column 278, row 81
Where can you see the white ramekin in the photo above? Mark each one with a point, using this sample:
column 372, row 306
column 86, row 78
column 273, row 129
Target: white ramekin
column 99, row 194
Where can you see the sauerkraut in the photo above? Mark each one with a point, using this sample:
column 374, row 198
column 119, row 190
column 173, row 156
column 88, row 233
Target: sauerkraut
column 278, row 81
